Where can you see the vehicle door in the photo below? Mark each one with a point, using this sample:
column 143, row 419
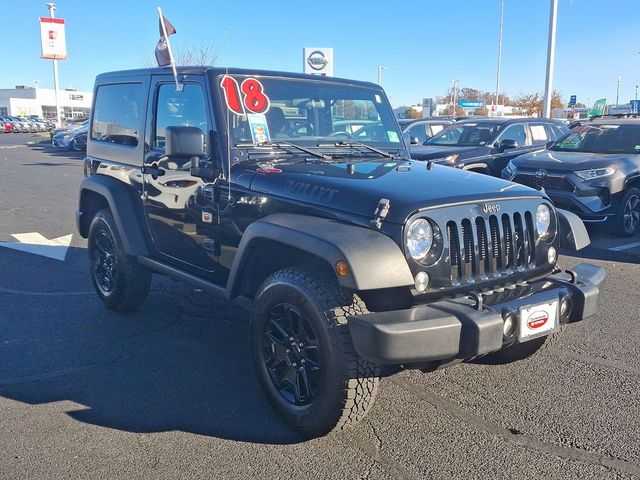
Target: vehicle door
column 179, row 212
column 516, row 132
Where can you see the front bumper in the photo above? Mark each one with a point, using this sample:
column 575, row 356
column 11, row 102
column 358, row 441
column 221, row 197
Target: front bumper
column 464, row 328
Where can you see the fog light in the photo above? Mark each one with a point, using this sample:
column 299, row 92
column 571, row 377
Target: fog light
column 552, row 255
column 566, row 307
column 422, row 282
column 510, row 324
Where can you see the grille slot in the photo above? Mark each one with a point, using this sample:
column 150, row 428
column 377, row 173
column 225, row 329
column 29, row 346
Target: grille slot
column 548, row 182
column 483, row 248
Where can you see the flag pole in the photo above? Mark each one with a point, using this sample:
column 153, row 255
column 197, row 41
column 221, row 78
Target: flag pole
column 166, row 38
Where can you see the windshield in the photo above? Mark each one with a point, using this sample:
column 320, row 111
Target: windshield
column 465, row 135
column 606, row 138
column 306, row 112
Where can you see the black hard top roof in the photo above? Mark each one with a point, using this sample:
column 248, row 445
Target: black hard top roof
column 508, row 121
column 221, row 71
column 407, row 121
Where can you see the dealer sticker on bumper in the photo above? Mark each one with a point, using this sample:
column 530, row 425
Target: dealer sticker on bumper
column 538, row 320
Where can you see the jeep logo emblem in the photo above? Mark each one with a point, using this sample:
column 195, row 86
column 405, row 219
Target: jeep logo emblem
column 490, row 208
column 541, row 174
column 316, row 60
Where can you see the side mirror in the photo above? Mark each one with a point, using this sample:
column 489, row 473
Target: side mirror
column 507, row 144
column 184, row 142
column 415, row 141
column 549, row 144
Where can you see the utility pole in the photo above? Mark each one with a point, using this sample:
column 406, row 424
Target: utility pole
column 380, row 68
column 499, row 56
column 52, row 14
column 551, row 53
column 454, row 96
column 636, row 99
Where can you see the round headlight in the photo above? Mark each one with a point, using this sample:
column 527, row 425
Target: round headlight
column 543, row 220
column 419, row 238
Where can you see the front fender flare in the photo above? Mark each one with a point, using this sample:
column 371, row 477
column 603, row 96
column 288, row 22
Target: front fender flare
column 573, row 233
column 375, row 260
column 126, row 208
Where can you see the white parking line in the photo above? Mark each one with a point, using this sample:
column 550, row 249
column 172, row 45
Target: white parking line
column 625, row 247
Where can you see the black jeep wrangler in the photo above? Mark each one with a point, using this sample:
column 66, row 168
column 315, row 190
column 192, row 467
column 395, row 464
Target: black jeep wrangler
column 352, row 255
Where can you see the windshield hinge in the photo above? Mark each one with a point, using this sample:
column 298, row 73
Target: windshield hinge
column 381, row 212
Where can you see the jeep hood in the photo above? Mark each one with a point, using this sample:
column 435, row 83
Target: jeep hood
column 409, row 187
column 429, row 152
column 569, row 161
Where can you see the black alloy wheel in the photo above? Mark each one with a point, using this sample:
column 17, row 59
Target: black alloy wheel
column 105, row 262
column 631, row 214
column 292, row 354
column 627, row 219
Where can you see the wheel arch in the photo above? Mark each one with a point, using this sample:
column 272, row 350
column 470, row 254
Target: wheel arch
column 283, row 240
column 98, row 192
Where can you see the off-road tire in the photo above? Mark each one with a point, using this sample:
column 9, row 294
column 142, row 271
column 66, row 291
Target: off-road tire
column 622, row 229
column 348, row 384
column 131, row 281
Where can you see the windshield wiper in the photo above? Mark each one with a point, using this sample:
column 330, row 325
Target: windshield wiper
column 283, row 146
column 361, row 145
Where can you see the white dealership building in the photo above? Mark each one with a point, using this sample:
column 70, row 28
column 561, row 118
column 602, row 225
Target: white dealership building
column 25, row 100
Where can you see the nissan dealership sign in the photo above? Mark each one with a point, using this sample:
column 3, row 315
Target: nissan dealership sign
column 318, row 61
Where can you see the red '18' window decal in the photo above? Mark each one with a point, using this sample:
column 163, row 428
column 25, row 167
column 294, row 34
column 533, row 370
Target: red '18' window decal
column 248, row 97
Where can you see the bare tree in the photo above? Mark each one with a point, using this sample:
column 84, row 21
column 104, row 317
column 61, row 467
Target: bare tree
column 203, row 54
column 531, row 104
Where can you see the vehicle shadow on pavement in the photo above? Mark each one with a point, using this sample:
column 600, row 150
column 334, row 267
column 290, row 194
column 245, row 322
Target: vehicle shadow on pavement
column 46, row 147
column 179, row 362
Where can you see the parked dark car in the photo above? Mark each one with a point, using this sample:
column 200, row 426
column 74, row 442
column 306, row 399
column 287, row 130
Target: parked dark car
column 486, row 145
column 593, row 171
column 349, row 254
column 422, row 129
column 78, row 140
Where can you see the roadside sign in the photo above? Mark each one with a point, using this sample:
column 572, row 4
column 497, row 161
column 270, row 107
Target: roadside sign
column 573, row 100
column 54, row 46
column 635, row 106
column 471, row 103
column 598, row 108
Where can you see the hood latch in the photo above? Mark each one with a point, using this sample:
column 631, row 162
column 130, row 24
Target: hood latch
column 381, row 212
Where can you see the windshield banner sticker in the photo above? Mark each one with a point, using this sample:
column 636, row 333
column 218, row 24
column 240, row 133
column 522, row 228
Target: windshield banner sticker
column 259, row 128
column 249, row 97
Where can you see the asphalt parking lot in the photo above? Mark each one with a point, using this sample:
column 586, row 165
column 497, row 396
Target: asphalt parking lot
column 168, row 391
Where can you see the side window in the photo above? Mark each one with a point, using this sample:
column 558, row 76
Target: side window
column 516, row 132
column 418, row 131
column 435, row 128
column 539, row 133
column 179, row 109
column 116, row 118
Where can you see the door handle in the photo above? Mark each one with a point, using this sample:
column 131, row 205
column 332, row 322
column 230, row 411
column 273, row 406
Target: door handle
column 153, row 170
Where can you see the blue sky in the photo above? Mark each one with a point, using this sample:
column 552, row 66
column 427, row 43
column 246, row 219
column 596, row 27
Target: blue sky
column 425, row 44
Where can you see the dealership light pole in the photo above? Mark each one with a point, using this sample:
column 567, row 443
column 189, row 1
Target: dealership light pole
column 637, row 100
column 551, row 52
column 618, row 90
column 454, row 96
column 52, row 9
column 380, row 68
column 499, row 55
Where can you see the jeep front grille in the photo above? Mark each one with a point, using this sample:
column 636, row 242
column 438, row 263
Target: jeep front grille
column 483, row 249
